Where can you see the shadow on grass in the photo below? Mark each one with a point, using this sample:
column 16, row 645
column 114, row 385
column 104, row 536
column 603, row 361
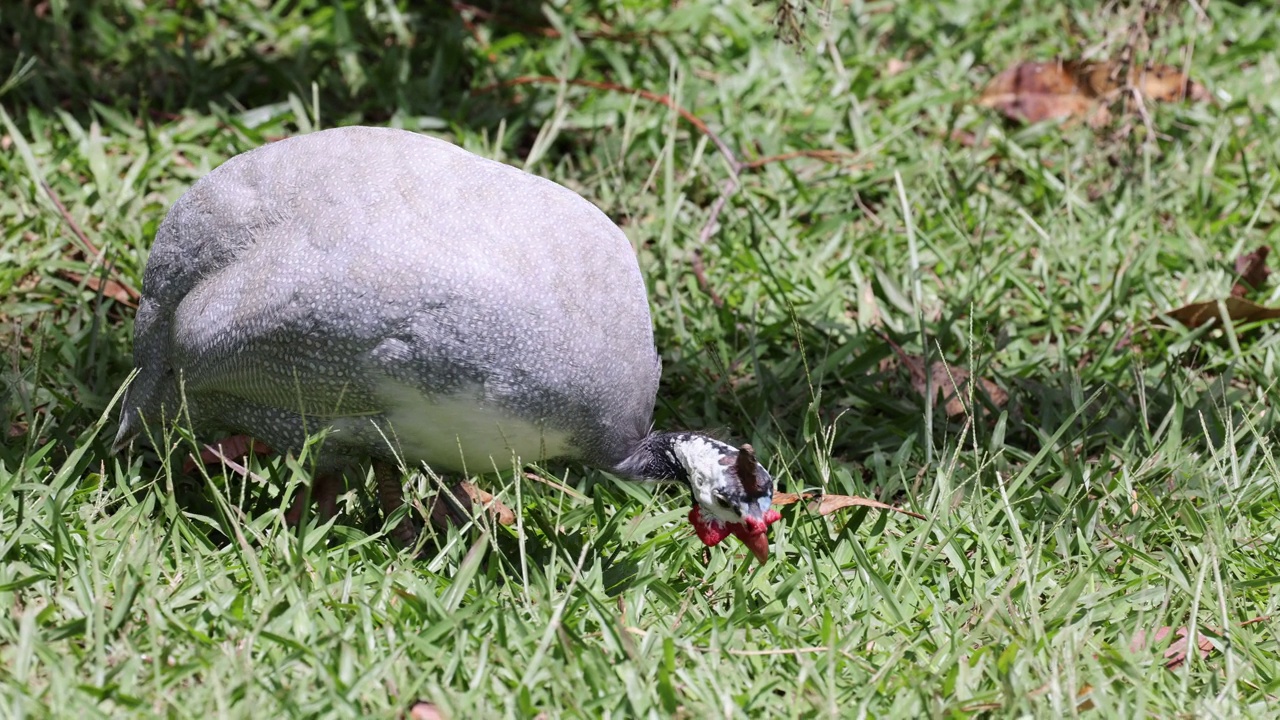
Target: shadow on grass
column 157, row 60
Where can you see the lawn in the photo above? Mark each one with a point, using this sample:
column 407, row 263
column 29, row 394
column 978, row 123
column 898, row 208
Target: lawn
column 821, row 207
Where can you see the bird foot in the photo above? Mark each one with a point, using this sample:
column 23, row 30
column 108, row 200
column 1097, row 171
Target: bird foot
column 451, row 508
column 391, row 498
column 324, row 491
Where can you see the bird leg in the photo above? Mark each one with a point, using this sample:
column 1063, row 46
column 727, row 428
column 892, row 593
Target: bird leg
column 452, row 507
column 324, row 491
column 391, row 497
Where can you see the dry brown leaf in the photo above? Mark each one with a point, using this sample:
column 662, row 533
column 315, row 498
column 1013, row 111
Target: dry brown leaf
column 1177, row 652
column 781, row 498
column 826, row 504
column 951, row 382
column 895, row 66
column 110, row 288
column 1037, row 91
column 1238, row 310
column 1085, row 703
column 1169, row 84
column 425, row 711
column 501, row 512
column 1252, row 270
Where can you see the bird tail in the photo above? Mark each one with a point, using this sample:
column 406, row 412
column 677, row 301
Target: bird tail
column 130, row 420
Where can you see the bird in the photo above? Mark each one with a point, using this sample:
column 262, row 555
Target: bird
column 418, row 305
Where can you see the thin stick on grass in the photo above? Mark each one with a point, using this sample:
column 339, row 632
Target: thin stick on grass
column 90, row 249
column 92, row 252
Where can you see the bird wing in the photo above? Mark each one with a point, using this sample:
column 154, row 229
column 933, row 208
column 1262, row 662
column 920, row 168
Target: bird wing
column 268, row 333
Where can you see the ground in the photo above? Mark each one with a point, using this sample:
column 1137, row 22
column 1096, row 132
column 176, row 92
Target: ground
column 821, row 206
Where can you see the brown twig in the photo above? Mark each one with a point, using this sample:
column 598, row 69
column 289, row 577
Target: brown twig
column 558, row 486
column 87, row 244
column 92, row 252
column 713, row 220
column 700, row 273
column 471, row 27
column 828, row 156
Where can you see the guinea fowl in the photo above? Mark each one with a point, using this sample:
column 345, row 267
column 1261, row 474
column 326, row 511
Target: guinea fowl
column 420, row 304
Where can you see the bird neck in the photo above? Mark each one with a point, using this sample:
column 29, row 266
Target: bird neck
column 655, row 460
column 669, row 456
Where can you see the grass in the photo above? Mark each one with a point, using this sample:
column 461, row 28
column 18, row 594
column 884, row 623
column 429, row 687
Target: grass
column 1129, row 483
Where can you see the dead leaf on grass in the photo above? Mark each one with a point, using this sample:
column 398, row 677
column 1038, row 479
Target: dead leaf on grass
column 1177, row 652
column 503, row 514
column 894, row 67
column 948, row 380
column 110, row 288
column 966, row 138
column 443, row 509
column 422, row 710
column 1082, row 696
column 824, row 504
column 1252, row 270
column 951, row 382
column 1037, row 91
column 1237, row 311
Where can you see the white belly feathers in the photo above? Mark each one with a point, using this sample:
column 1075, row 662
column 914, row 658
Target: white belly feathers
column 461, row 433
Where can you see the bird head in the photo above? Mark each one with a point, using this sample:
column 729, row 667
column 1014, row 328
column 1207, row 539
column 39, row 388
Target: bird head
column 732, row 493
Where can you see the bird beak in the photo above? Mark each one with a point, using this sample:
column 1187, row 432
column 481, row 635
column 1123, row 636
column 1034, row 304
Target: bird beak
column 754, row 533
column 758, row 545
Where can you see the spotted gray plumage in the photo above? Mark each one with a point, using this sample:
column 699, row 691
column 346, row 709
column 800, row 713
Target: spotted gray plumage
column 284, row 280
column 413, row 299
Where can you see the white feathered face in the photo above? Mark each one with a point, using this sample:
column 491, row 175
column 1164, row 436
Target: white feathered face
column 714, row 481
column 733, row 494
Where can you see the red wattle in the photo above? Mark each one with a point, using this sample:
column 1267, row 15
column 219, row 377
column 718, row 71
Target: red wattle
column 710, row 532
